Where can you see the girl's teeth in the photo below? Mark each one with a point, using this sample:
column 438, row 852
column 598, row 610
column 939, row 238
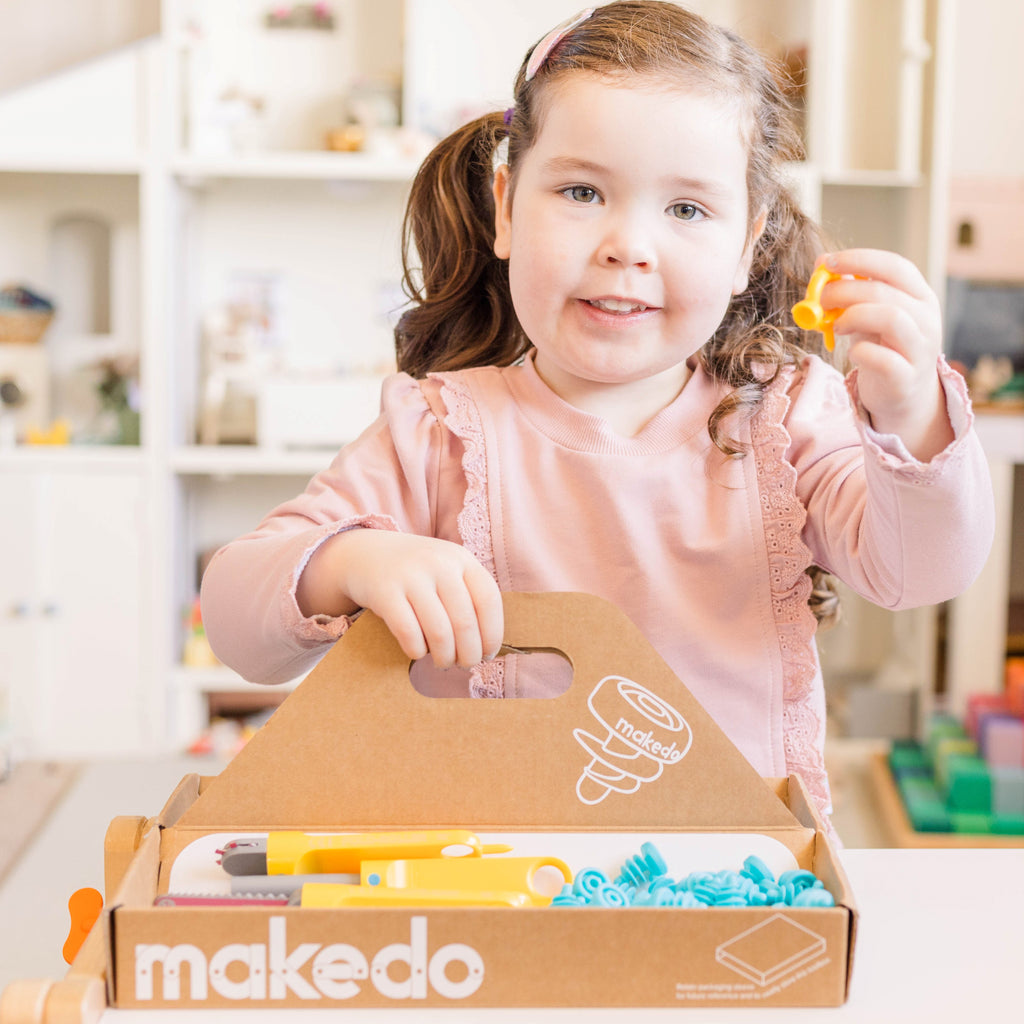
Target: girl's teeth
column 617, row 306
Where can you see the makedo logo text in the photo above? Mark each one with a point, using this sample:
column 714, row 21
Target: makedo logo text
column 643, row 734
column 271, row 971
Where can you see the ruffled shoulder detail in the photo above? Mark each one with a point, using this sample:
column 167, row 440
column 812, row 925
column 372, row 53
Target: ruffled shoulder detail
column 474, row 521
column 784, row 516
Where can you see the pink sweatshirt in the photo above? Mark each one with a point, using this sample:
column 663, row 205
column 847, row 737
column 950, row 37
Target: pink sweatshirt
column 706, row 554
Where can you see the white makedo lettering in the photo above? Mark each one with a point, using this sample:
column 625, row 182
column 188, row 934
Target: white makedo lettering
column 253, row 958
column 262, row 971
column 669, row 753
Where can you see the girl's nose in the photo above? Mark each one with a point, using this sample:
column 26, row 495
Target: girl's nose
column 627, row 244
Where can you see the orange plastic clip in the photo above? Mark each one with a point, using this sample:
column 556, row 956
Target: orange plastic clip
column 85, row 906
column 809, row 315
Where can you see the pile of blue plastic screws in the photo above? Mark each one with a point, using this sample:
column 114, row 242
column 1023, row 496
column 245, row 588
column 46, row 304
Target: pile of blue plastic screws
column 644, row 882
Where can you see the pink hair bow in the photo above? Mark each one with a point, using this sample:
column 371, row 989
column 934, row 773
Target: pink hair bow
column 543, row 49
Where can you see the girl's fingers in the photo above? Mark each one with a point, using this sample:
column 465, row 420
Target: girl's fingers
column 434, row 623
column 882, row 266
column 886, row 324
column 435, row 597
column 460, row 640
column 406, row 629
column 884, row 365
column 490, row 611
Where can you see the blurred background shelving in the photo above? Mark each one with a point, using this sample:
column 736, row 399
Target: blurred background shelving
column 177, row 200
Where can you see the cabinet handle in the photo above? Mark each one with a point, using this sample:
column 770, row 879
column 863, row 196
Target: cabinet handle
column 18, row 610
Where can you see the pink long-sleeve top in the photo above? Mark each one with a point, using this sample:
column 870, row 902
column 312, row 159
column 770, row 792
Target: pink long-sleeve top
column 706, row 554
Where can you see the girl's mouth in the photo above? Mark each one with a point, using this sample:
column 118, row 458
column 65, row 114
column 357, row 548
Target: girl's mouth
column 617, row 306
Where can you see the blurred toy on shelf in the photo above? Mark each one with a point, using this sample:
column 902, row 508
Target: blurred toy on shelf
column 241, row 349
column 57, row 433
column 24, row 315
column 349, row 138
column 226, row 736
column 197, row 652
column 118, row 392
column 989, row 378
column 315, row 16
column 966, row 776
column 25, row 384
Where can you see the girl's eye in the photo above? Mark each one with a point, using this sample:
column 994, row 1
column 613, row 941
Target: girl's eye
column 581, row 194
column 686, row 211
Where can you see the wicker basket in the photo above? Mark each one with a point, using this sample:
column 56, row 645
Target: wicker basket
column 23, row 326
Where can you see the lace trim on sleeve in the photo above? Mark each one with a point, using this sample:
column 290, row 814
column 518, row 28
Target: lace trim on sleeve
column 474, row 521
column 788, row 557
column 889, row 448
column 323, row 629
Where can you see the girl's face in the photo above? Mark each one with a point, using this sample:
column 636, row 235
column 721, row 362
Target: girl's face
column 626, row 238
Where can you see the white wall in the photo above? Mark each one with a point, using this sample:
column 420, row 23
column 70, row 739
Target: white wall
column 988, row 88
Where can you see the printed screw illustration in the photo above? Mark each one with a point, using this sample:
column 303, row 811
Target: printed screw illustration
column 644, row 733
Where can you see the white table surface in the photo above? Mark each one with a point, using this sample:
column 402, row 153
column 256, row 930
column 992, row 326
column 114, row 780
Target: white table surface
column 941, row 933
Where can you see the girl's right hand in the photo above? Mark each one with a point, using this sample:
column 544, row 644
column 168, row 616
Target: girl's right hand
column 434, row 596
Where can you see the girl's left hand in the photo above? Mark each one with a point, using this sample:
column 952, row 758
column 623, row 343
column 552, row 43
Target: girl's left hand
column 892, row 321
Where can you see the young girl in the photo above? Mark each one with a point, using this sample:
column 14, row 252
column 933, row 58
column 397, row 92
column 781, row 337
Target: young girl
column 603, row 391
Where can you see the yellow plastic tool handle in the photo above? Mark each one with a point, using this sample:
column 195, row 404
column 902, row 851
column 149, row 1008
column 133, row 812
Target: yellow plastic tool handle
column 491, row 874
column 809, row 315
column 305, row 853
column 328, row 895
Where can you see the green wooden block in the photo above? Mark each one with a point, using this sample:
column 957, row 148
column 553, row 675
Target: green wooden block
column 1007, row 825
column 924, row 804
column 1007, row 791
column 971, row 822
column 945, row 751
column 942, row 728
column 968, row 784
column 908, row 757
column 929, row 818
column 943, row 725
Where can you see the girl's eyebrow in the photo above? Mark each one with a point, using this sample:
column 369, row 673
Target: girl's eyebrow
column 578, row 165
column 572, row 164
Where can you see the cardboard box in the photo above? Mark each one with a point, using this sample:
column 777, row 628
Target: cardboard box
column 624, row 754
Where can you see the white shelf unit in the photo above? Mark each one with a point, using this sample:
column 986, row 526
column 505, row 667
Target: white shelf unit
column 328, row 225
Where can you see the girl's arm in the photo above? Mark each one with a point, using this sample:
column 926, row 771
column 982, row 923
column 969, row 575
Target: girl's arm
column 378, row 524
column 900, row 532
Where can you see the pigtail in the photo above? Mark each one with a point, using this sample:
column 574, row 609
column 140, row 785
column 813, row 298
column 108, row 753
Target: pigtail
column 462, row 311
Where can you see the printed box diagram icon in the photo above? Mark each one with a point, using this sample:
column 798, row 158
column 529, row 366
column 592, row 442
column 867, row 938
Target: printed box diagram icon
column 771, row 950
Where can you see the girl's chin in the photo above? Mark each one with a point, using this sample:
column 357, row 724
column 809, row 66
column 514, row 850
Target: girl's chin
column 596, row 375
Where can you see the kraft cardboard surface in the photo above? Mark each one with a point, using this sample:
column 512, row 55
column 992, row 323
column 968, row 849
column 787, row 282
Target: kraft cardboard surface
column 626, row 746
column 626, row 753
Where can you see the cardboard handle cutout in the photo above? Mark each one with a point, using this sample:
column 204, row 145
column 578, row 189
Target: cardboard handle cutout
column 626, row 746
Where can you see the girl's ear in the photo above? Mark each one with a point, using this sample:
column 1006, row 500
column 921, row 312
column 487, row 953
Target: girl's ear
column 502, row 213
column 742, row 280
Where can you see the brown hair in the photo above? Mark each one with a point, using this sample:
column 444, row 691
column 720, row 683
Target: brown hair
column 462, row 314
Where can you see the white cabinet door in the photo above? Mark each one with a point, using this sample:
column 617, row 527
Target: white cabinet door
column 73, row 611
column 17, row 613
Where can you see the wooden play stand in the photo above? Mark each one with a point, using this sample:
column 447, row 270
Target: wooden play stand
column 80, row 997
